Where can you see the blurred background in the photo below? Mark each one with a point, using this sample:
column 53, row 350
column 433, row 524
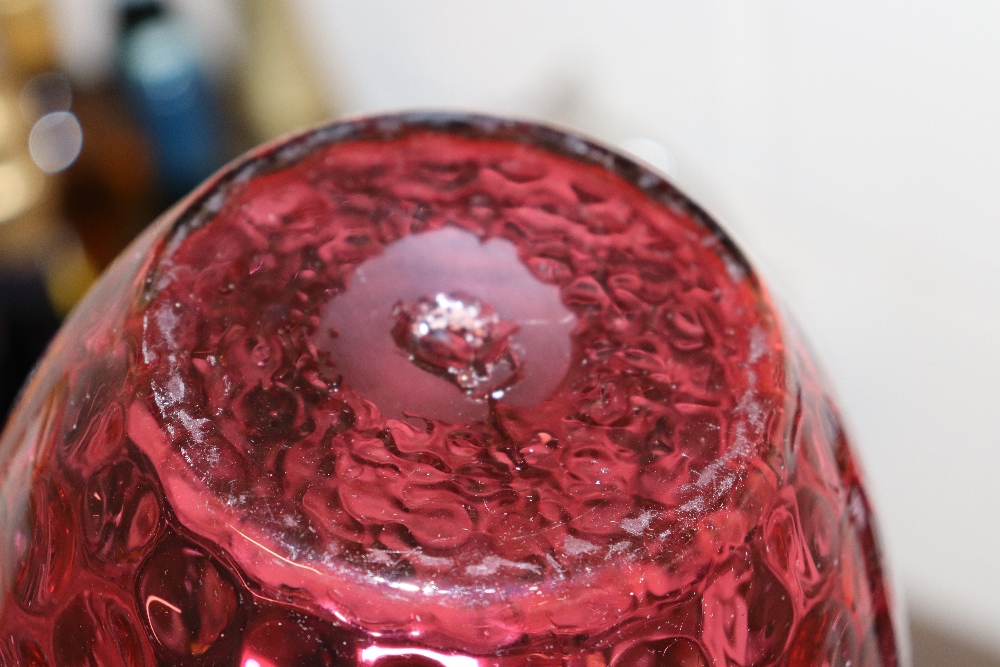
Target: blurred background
column 852, row 149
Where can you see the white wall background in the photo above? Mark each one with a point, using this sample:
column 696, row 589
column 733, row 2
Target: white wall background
column 852, row 148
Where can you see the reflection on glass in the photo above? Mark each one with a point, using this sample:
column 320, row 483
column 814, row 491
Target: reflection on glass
column 254, row 444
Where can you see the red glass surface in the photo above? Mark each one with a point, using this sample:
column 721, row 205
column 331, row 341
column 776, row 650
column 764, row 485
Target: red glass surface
column 442, row 392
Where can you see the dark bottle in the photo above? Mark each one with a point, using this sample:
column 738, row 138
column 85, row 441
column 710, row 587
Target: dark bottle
column 170, row 95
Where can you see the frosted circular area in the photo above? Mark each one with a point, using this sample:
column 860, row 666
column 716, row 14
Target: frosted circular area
column 443, row 261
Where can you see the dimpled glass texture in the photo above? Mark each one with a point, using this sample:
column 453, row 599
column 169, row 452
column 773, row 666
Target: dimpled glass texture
column 434, row 391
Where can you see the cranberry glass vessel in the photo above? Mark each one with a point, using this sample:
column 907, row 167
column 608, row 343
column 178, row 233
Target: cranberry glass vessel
column 434, row 391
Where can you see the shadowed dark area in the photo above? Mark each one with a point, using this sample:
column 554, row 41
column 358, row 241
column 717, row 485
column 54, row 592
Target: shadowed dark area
column 934, row 646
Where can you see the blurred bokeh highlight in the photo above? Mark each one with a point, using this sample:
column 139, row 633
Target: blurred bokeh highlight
column 853, row 151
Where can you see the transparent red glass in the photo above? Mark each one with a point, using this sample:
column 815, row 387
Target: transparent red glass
column 435, row 391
